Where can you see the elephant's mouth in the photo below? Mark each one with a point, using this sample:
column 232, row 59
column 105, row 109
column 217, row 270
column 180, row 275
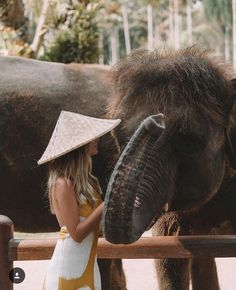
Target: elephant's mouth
column 136, row 193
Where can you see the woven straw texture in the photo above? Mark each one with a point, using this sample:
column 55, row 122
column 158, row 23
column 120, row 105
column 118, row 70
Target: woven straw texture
column 74, row 130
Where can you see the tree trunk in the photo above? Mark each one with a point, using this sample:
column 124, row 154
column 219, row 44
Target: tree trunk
column 227, row 49
column 101, row 50
column 157, row 36
column 126, row 29
column 176, row 24
column 171, row 23
column 150, row 26
column 39, row 34
column 234, row 31
column 114, row 45
column 189, row 21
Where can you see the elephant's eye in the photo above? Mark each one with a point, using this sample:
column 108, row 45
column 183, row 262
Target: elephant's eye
column 188, row 143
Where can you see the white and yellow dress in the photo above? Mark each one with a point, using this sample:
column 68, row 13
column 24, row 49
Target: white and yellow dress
column 73, row 265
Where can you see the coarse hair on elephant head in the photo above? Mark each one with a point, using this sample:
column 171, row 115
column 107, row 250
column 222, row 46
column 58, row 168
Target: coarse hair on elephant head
column 176, row 111
column 231, row 129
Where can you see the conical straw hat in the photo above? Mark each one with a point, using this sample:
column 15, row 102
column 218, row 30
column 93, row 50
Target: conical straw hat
column 74, row 130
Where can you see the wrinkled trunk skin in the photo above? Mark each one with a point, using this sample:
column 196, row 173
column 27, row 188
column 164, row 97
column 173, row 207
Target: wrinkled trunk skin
column 136, row 193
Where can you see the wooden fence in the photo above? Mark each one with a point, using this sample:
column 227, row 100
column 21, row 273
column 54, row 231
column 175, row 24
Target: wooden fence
column 152, row 247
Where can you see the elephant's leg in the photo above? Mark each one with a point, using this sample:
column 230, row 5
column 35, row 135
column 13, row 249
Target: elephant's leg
column 118, row 281
column 112, row 274
column 173, row 274
column 105, row 268
column 204, row 274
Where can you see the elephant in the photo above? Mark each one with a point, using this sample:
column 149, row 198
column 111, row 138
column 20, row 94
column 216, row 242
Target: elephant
column 32, row 94
column 176, row 172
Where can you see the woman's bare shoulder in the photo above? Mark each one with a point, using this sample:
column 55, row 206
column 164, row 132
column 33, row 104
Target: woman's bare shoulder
column 63, row 187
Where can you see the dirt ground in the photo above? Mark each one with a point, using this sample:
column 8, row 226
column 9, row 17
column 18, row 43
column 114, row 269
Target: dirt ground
column 140, row 274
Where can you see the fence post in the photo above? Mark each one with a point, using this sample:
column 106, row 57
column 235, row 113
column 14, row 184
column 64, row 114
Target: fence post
column 6, row 233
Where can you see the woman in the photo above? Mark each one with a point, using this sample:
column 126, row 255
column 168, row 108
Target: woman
column 75, row 199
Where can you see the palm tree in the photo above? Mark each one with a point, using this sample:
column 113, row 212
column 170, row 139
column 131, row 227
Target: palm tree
column 110, row 19
column 126, row 27
column 114, row 45
column 220, row 12
column 40, row 30
column 189, row 21
column 171, row 22
column 234, row 31
column 150, row 26
column 176, row 24
column 152, row 7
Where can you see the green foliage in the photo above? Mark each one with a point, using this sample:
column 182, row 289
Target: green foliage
column 72, row 28
column 219, row 11
column 77, row 40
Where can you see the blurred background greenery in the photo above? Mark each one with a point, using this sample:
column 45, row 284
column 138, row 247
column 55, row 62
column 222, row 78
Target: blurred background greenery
column 102, row 31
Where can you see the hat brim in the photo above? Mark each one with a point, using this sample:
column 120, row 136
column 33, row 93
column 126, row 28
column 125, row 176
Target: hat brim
column 42, row 161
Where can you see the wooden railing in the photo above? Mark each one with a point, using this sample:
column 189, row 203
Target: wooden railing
column 145, row 248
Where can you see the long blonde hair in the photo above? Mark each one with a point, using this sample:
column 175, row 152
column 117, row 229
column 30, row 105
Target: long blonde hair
column 75, row 166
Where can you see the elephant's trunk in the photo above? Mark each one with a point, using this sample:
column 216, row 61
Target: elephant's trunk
column 141, row 184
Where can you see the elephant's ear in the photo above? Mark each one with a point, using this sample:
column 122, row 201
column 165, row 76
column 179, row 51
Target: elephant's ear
column 231, row 130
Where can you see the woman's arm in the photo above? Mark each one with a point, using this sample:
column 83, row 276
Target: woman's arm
column 68, row 208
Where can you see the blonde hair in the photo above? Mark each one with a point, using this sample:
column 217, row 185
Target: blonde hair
column 75, row 166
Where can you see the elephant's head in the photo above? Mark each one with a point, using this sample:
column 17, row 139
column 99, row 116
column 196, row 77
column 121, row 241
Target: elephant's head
column 175, row 109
